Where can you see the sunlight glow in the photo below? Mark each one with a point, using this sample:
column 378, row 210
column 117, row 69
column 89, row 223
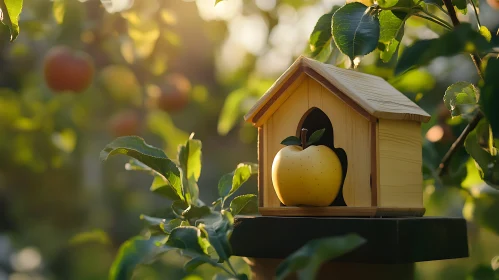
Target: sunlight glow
column 251, row 32
column 224, row 10
column 265, row 5
column 27, row 259
column 435, row 133
column 115, row 6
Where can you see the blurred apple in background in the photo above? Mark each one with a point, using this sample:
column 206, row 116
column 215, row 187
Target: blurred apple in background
column 68, row 70
column 493, row 3
column 125, row 123
column 172, row 95
column 121, row 84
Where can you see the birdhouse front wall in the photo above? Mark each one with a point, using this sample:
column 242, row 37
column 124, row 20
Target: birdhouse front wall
column 352, row 133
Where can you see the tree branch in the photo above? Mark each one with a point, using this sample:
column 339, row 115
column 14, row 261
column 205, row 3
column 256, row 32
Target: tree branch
column 442, row 167
column 452, row 12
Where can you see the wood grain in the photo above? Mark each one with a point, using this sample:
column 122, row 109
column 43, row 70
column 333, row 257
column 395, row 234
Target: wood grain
column 400, row 161
column 284, row 123
column 371, row 93
column 269, row 194
column 374, row 184
column 351, row 133
column 341, row 211
column 261, row 141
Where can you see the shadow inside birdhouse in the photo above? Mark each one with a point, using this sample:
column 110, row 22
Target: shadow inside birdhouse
column 315, row 119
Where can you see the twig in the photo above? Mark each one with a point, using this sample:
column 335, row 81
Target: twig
column 442, row 168
column 452, row 12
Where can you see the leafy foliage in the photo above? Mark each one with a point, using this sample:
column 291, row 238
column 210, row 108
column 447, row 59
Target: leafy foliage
column 355, row 30
column 461, row 98
column 489, row 98
column 197, row 230
column 461, row 39
column 320, row 42
column 10, row 11
column 130, row 254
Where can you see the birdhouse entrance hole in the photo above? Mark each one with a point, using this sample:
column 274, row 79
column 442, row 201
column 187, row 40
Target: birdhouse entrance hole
column 315, row 119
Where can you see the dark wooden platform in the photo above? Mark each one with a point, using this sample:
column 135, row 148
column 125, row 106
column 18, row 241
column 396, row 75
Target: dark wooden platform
column 389, row 240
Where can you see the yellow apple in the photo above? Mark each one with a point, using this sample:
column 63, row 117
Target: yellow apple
column 308, row 177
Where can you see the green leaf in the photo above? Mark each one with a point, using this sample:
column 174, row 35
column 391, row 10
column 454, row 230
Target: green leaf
column 480, row 146
column 136, row 165
column 485, row 33
column 187, row 238
column 173, row 224
column 130, row 254
column 244, row 204
column 10, row 11
column 391, row 32
column 232, row 110
column 461, row 39
column 355, row 30
column 94, row 236
column 219, row 226
column 189, row 157
column 136, row 147
column 461, row 98
column 320, row 42
column 152, row 221
column 291, row 140
column 316, row 136
column 218, row 1
column 482, row 272
column 230, row 183
column 178, row 207
column 489, row 97
column 484, row 212
column 308, row 259
column 195, row 212
column 59, row 9
column 162, row 187
column 438, row 3
column 461, row 5
column 194, row 263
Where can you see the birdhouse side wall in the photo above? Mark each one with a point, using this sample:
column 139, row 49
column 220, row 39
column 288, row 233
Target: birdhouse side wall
column 399, row 162
column 351, row 133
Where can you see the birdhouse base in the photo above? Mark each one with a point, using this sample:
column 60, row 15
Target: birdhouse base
column 341, row 211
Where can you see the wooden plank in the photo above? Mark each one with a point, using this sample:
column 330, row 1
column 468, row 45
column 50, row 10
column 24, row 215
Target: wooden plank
column 278, row 98
column 284, row 123
column 374, row 163
column 314, row 94
column 340, row 211
column 269, row 195
column 351, row 133
column 400, row 157
column 261, row 164
column 388, row 240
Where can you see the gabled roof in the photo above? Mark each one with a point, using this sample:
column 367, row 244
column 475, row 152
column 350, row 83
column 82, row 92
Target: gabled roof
column 368, row 94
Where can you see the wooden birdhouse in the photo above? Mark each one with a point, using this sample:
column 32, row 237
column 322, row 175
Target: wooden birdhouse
column 374, row 130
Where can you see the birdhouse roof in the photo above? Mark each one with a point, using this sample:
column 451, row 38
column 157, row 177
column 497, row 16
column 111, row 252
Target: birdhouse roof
column 364, row 92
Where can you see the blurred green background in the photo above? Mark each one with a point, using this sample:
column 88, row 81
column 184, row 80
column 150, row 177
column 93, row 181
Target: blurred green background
column 164, row 69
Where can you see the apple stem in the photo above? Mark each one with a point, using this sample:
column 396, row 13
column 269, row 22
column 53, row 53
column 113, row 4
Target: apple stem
column 303, row 137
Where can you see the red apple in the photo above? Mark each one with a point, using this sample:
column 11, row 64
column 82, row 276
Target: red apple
column 494, row 4
column 125, row 123
column 68, row 70
column 174, row 95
